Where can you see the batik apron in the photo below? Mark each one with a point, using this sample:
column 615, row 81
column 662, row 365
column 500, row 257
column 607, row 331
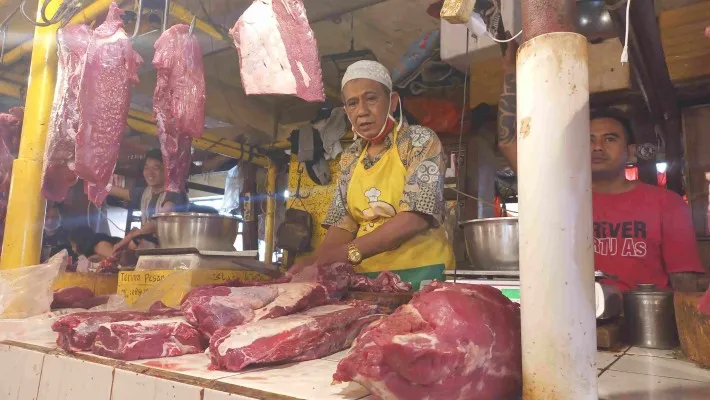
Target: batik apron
column 373, row 197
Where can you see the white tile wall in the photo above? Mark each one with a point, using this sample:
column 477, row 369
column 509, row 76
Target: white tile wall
column 216, row 395
column 307, row 380
column 65, row 378
column 20, row 372
column 132, row 386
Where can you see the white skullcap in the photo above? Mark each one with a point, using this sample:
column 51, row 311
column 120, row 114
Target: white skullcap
column 366, row 69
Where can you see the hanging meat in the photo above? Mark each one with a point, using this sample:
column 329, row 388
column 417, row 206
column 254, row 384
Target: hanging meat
column 278, row 53
column 178, row 101
column 59, row 175
column 10, row 130
column 104, row 98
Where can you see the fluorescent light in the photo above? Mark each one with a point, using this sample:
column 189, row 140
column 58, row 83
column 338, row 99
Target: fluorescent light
column 661, row 167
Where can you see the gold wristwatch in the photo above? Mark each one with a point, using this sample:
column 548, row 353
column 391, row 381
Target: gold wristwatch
column 354, row 255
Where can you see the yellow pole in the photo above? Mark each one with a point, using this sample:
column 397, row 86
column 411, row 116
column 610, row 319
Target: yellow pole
column 24, row 223
column 270, row 211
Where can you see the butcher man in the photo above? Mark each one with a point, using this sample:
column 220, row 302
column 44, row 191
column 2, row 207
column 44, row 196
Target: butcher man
column 642, row 233
column 387, row 210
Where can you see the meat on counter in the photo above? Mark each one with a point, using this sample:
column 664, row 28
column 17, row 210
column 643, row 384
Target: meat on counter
column 452, row 341
column 139, row 340
column 310, row 334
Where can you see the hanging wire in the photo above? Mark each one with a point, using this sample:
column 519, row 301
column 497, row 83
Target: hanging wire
column 166, row 16
column 3, row 29
column 139, row 17
column 192, row 25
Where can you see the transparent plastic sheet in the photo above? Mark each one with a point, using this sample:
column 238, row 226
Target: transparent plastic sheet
column 27, row 291
column 104, row 99
column 58, row 175
column 233, row 188
column 178, row 101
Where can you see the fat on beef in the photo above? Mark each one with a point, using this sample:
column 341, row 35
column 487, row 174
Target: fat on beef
column 278, row 53
column 224, row 306
column 76, row 332
column 58, row 175
column 217, row 307
column 178, row 101
column 452, row 341
column 294, row 337
column 104, row 99
column 139, row 340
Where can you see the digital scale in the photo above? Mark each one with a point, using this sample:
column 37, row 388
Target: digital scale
column 507, row 282
column 192, row 258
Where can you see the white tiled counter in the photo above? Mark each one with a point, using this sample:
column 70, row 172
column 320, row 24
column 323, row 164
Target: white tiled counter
column 41, row 372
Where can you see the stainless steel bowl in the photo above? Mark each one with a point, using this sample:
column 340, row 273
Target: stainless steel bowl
column 213, row 232
column 492, row 243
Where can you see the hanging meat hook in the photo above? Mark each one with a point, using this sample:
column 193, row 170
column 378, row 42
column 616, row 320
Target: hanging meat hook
column 166, row 15
column 192, row 25
column 139, row 15
column 3, row 29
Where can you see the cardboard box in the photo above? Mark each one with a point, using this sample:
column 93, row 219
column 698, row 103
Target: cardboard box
column 143, row 288
column 100, row 284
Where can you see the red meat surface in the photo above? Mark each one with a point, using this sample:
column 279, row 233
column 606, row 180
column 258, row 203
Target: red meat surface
column 139, row 340
column 104, row 99
column 452, row 341
column 76, row 332
column 317, row 332
column 178, row 101
column 278, row 53
column 59, row 175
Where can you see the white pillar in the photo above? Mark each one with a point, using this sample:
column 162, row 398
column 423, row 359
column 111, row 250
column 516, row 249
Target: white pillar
column 555, row 202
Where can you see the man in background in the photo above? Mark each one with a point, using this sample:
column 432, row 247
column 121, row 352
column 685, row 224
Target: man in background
column 642, row 233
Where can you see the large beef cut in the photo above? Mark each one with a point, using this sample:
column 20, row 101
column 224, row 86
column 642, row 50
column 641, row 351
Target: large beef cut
column 217, row 307
column 452, row 341
column 225, row 306
column 317, row 332
column 139, row 340
column 104, row 98
column 59, row 175
column 278, row 53
column 178, row 101
column 76, row 332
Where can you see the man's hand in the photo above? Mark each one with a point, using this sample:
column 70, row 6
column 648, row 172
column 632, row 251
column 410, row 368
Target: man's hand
column 119, row 247
column 326, row 256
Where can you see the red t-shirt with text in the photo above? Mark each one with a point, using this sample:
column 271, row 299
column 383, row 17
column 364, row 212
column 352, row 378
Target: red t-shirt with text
column 643, row 235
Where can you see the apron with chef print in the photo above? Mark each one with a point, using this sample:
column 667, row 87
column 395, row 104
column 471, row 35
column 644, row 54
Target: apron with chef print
column 373, row 197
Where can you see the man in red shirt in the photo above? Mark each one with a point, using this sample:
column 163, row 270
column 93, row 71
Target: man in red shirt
column 642, row 233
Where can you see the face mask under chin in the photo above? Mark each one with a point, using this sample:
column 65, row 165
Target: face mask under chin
column 383, row 131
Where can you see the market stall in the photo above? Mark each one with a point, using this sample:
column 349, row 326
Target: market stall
column 357, row 280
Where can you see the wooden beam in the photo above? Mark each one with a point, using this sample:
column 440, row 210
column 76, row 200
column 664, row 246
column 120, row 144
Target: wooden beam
column 687, row 49
column 606, row 74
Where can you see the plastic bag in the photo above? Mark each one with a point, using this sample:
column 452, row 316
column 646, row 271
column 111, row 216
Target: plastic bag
column 178, row 101
column 441, row 116
column 104, row 99
column 232, row 189
column 27, row 291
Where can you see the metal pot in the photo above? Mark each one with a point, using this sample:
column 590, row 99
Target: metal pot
column 492, row 243
column 212, row 232
column 649, row 316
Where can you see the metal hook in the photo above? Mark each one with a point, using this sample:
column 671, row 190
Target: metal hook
column 298, row 194
column 192, row 25
column 166, row 15
column 139, row 14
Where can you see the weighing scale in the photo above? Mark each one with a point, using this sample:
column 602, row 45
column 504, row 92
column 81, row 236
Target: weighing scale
column 192, row 258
